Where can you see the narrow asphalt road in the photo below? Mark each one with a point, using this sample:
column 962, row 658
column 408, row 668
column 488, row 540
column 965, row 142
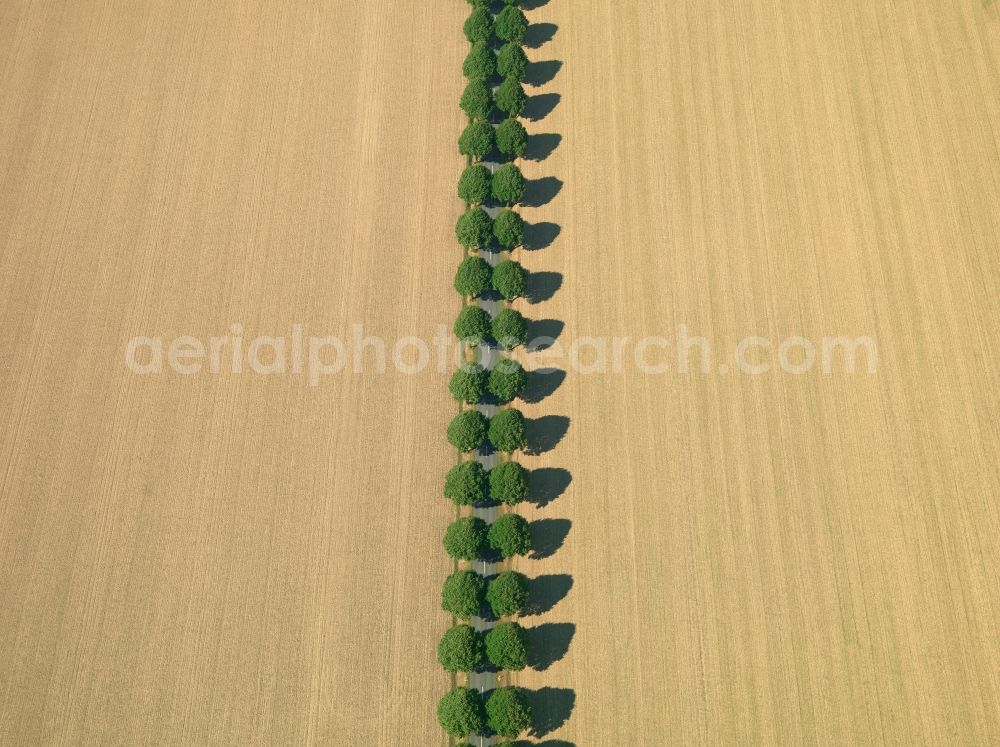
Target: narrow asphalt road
column 484, row 682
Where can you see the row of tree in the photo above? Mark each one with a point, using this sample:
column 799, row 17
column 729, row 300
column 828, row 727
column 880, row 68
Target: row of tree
column 495, row 69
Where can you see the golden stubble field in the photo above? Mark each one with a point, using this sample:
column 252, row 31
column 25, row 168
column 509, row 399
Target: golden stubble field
column 228, row 559
column 775, row 559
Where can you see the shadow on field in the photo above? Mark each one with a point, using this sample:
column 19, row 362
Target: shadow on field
column 541, row 146
column 542, row 333
column 546, row 484
column 545, row 592
column 542, row 191
column 546, row 743
column 550, row 708
column 540, row 235
column 545, row 433
column 541, row 286
column 538, row 34
column 542, row 383
column 532, row 4
column 548, row 643
column 547, row 536
column 541, row 106
column 539, row 73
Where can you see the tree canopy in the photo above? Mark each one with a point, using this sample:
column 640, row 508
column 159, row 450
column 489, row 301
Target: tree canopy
column 476, row 140
column 510, row 535
column 510, row 98
column 473, row 277
column 510, row 328
column 466, row 538
column 477, row 100
column 468, row 384
column 462, row 594
column 465, row 483
column 508, row 228
column 511, row 61
column 467, row 430
column 474, row 228
column 472, row 325
column 506, row 431
column 508, row 483
column 461, row 712
column 461, row 649
column 507, row 380
column 511, row 24
column 508, row 185
column 507, row 711
column 511, row 137
column 480, row 63
column 509, row 278
column 474, row 184
column 506, row 647
column 478, row 26
column 507, row 593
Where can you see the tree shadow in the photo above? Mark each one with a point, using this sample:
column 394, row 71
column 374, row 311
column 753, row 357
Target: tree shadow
column 540, row 106
column 532, row 4
column 545, row 592
column 542, row 383
column 542, row 333
column 540, row 235
column 541, row 146
column 539, row 73
column 545, row 433
column 542, row 191
column 551, row 707
column 548, row 643
column 538, row 34
column 546, row 484
column 546, row 743
column 547, row 536
column 541, row 286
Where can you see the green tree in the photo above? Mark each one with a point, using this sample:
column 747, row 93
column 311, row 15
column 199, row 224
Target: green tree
column 472, row 325
column 506, row 647
column 507, row 380
column 474, row 277
column 511, row 24
column 477, row 100
column 480, row 63
column 510, row 98
column 507, row 711
column 465, row 483
column 477, row 140
column 506, row 431
column 508, row 229
column 467, row 430
column 479, row 26
column 474, row 228
column 510, row 535
column 509, row 278
column 461, row 712
column 511, row 138
column 511, row 61
column 461, row 649
column 508, row 184
column 508, row 483
column 468, row 384
column 462, row 594
column 510, row 328
column 474, row 184
column 507, row 593
column 466, row 538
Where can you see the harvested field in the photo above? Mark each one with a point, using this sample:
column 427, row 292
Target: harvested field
column 775, row 558
column 227, row 559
